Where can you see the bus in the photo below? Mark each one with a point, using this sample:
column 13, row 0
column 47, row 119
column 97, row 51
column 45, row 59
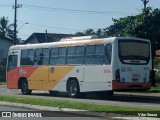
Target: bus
column 80, row 65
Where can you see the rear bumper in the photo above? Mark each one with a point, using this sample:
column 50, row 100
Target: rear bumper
column 118, row 86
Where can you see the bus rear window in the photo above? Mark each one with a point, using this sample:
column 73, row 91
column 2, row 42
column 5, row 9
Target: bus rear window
column 134, row 52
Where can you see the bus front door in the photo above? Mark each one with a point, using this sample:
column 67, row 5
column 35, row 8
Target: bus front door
column 12, row 71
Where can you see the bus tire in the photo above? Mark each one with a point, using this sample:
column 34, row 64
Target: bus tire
column 73, row 89
column 24, row 88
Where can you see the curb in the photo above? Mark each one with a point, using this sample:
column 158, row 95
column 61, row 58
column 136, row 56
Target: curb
column 57, row 109
column 36, row 107
column 110, row 116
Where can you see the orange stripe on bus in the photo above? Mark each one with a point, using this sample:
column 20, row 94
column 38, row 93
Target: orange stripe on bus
column 43, row 79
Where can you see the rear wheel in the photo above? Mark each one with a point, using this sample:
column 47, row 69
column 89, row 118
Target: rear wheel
column 73, row 89
column 24, row 88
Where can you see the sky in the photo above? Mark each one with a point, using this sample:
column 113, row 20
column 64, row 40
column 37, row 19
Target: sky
column 68, row 16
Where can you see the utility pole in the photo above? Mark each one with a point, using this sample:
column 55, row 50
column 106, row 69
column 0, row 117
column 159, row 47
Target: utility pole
column 15, row 20
column 145, row 4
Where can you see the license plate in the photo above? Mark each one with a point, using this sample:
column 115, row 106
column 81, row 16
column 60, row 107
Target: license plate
column 135, row 87
column 135, row 77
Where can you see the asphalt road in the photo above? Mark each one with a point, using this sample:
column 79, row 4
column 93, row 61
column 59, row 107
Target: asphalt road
column 27, row 114
column 142, row 100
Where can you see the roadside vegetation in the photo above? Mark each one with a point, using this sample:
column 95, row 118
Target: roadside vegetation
column 2, row 83
column 155, row 89
column 78, row 105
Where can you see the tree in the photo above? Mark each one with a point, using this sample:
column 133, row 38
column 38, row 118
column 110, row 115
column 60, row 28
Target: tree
column 89, row 32
column 5, row 28
column 79, row 34
column 145, row 4
column 145, row 25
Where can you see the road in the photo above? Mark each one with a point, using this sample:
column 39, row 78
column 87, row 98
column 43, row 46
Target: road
column 41, row 115
column 142, row 100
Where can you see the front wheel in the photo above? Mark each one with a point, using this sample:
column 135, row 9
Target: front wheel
column 24, row 88
column 73, row 89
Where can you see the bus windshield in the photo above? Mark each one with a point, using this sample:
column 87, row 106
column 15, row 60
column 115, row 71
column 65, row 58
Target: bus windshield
column 134, row 52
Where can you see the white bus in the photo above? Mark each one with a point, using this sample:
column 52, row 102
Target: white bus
column 81, row 64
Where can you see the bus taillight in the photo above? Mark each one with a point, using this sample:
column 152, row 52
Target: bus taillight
column 117, row 75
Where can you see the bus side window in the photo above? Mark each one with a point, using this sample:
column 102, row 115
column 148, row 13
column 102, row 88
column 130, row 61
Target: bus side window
column 108, row 54
column 80, row 54
column 89, row 57
column 24, row 54
column 62, row 56
column 54, row 56
column 46, row 56
column 58, row 56
column 30, row 57
column 38, row 56
column 27, row 57
column 12, row 62
column 71, row 51
column 99, row 54
column 94, row 54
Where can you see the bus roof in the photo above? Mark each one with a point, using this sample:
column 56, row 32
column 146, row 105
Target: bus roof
column 73, row 42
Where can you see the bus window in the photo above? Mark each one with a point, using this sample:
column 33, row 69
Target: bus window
column 12, row 62
column 46, row 56
column 38, row 57
column 30, row 57
column 94, row 54
column 24, row 54
column 80, row 54
column 108, row 55
column 53, row 56
column 133, row 52
column 27, row 57
column 62, row 56
column 71, row 55
column 57, row 56
column 99, row 54
column 75, row 55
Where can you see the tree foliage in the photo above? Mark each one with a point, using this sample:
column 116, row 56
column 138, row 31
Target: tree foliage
column 6, row 28
column 144, row 25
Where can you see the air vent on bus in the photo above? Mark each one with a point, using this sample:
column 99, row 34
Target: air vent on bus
column 79, row 38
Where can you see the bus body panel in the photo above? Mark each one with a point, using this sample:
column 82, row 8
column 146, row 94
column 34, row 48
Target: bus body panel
column 12, row 78
column 12, row 74
column 132, row 76
column 97, row 78
column 90, row 77
column 57, row 76
column 39, row 78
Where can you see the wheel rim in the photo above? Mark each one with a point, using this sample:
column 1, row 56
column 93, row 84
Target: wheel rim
column 73, row 89
column 24, row 87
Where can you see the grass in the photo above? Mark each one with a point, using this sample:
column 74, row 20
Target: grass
column 155, row 89
column 2, row 83
column 79, row 105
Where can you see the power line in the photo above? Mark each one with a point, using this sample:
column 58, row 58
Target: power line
column 68, row 10
column 5, row 5
column 51, row 27
column 71, row 10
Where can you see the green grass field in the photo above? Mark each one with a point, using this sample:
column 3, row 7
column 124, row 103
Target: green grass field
column 2, row 83
column 154, row 89
column 78, row 105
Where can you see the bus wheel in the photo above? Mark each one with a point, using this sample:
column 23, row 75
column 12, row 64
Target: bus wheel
column 24, row 88
column 73, row 89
